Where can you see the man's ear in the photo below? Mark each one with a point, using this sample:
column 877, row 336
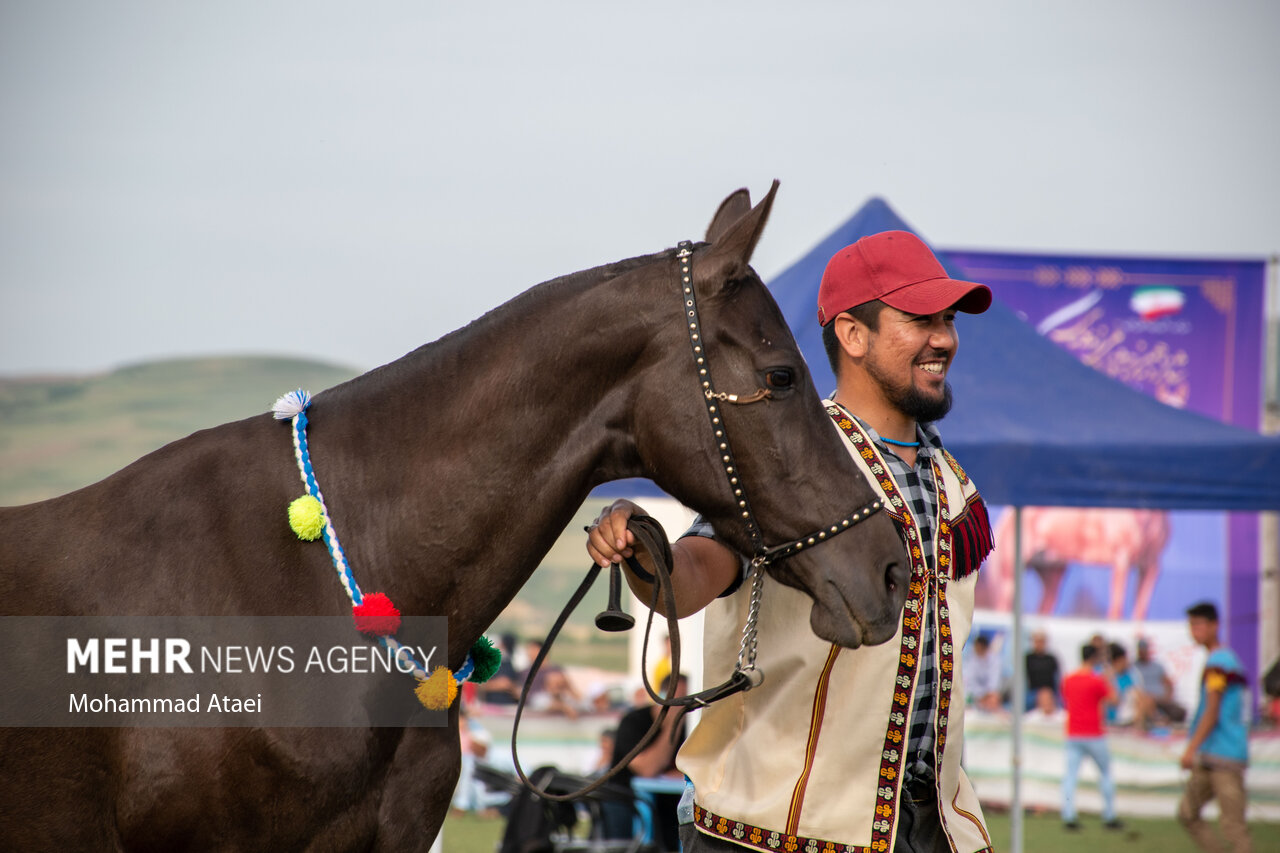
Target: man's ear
column 852, row 335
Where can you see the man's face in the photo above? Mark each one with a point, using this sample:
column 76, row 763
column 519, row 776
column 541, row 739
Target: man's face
column 1202, row 630
column 908, row 356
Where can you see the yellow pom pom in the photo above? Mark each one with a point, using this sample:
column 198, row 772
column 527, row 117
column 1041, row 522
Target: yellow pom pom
column 438, row 690
column 306, row 517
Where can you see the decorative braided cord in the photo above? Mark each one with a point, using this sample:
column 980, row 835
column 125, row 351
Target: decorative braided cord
column 303, row 457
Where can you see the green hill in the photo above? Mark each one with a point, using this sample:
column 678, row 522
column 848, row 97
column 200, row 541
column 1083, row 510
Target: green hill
column 59, row 434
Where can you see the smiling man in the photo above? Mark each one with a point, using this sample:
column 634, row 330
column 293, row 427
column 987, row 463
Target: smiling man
column 848, row 749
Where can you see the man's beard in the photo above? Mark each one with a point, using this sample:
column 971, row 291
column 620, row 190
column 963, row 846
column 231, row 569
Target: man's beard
column 925, row 410
column 909, row 400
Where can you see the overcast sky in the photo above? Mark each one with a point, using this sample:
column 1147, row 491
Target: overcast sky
column 349, row 181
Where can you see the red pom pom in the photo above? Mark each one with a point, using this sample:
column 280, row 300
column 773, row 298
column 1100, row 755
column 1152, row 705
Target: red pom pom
column 376, row 615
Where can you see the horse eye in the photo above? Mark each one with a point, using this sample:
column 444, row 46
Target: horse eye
column 779, row 377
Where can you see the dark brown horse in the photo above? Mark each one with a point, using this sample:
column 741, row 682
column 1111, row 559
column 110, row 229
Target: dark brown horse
column 449, row 473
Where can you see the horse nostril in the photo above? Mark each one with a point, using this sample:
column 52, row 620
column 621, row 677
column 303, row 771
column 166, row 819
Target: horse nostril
column 892, row 574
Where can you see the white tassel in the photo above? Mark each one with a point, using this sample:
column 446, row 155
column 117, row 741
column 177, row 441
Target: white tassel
column 291, row 404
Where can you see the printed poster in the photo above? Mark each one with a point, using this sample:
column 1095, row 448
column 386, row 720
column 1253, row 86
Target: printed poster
column 1189, row 333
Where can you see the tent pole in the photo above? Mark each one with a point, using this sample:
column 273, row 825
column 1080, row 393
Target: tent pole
column 1269, row 522
column 1019, row 689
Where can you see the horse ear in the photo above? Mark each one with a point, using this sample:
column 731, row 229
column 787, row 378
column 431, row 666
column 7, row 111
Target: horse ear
column 733, row 235
column 733, row 208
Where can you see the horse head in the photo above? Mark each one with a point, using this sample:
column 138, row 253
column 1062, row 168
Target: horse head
column 789, row 470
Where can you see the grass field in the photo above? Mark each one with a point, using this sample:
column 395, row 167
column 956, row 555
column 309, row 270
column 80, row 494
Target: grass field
column 1040, row 834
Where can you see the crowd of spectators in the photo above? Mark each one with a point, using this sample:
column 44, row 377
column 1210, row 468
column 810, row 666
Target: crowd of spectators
column 1145, row 691
column 552, row 690
column 1139, row 695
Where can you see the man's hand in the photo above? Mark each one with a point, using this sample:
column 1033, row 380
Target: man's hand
column 701, row 568
column 609, row 540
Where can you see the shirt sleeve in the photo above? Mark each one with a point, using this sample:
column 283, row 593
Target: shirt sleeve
column 702, row 527
column 1222, row 669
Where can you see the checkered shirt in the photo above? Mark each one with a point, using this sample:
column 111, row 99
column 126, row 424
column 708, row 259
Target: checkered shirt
column 921, row 494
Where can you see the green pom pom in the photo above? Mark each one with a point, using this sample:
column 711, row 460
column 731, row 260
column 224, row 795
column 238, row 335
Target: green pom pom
column 487, row 658
column 306, row 517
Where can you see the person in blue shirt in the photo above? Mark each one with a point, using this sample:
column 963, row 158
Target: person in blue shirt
column 1128, row 685
column 1218, row 750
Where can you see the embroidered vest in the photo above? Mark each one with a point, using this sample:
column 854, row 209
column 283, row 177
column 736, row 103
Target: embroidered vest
column 812, row 759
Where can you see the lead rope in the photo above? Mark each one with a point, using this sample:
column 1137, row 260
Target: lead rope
column 643, row 527
column 651, row 539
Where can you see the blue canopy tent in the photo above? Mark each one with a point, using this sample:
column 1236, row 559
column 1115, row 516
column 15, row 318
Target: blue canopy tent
column 1036, row 427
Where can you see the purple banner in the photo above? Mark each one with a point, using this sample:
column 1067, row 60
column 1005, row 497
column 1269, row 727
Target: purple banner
column 1189, row 333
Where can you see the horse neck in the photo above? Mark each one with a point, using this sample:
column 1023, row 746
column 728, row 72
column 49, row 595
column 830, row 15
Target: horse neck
column 455, row 468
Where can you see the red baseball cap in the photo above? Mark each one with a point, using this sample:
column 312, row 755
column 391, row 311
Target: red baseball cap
column 897, row 268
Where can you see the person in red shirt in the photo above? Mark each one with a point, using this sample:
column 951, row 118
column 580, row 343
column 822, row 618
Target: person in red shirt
column 1084, row 693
